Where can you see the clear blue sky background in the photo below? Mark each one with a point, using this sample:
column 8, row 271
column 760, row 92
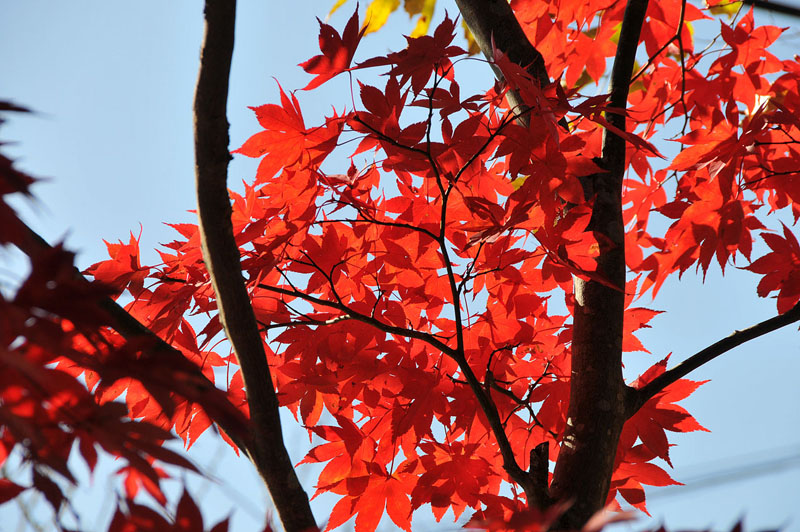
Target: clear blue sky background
column 112, row 84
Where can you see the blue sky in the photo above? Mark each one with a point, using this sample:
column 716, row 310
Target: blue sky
column 112, row 83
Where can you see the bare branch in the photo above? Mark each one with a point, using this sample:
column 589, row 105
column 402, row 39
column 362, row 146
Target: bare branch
column 641, row 396
column 775, row 7
column 223, row 262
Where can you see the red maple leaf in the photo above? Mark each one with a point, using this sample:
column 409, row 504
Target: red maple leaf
column 780, row 268
column 337, row 51
column 422, row 57
column 285, row 140
column 660, row 414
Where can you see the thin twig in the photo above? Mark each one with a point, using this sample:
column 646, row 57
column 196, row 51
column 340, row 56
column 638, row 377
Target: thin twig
column 353, row 314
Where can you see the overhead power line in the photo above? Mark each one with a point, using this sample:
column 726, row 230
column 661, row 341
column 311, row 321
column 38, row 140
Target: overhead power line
column 726, row 476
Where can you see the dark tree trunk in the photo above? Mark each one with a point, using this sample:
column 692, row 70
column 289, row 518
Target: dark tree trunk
column 266, row 447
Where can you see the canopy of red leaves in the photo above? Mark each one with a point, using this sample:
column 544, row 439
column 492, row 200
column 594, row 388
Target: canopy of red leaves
column 443, row 250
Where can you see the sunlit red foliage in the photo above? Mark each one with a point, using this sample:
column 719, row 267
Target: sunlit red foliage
column 443, row 254
column 62, row 371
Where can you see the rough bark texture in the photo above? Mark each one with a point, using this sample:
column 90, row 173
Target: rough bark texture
column 223, row 262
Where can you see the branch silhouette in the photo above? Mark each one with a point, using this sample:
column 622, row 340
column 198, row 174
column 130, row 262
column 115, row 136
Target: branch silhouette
column 775, row 7
column 647, row 392
column 222, row 258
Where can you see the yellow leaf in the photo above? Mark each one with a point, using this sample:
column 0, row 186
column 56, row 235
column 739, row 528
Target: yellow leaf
column 426, row 14
column 725, row 8
column 615, row 36
column 377, row 13
column 473, row 47
column 518, row 182
column 337, row 5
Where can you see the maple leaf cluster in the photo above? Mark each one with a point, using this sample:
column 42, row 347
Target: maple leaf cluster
column 62, row 371
column 415, row 303
column 388, row 292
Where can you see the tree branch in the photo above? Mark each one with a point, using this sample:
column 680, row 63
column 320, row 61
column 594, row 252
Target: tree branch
column 537, row 495
column 531, row 481
column 369, row 320
column 493, row 22
column 641, row 396
column 597, row 406
column 494, row 26
column 223, row 262
column 775, row 7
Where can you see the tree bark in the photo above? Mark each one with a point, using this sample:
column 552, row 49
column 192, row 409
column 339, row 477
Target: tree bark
column 597, row 409
column 222, row 259
column 598, row 394
column 495, row 27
